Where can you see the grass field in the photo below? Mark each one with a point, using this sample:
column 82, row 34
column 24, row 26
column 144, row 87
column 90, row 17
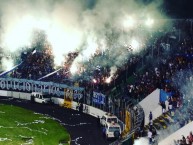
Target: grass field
column 21, row 127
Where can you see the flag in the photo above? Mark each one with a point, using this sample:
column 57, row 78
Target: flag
column 127, row 121
column 163, row 95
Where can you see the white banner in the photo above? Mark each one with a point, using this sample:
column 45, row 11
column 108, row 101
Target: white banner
column 35, row 86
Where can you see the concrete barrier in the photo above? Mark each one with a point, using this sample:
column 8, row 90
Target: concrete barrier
column 170, row 140
column 59, row 101
column 151, row 103
column 95, row 111
column 26, row 96
column 3, row 93
column 16, row 95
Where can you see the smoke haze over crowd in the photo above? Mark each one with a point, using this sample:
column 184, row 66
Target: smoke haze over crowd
column 89, row 27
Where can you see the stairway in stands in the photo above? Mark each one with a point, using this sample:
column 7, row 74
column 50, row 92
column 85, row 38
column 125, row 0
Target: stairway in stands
column 164, row 126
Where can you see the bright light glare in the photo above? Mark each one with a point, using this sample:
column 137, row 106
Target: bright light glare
column 7, row 63
column 17, row 35
column 20, row 33
column 58, row 59
column 108, row 80
column 94, row 81
column 134, row 44
column 149, row 22
column 63, row 39
column 60, row 36
column 128, row 22
column 91, row 48
column 73, row 69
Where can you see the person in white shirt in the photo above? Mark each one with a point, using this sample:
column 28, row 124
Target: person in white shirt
column 150, row 136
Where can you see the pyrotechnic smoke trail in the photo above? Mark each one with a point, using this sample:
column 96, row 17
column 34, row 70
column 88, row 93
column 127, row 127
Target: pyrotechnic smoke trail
column 49, row 74
column 90, row 28
column 13, row 68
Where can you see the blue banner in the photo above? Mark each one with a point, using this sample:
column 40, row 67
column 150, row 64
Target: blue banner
column 98, row 98
column 77, row 95
column 163, row 96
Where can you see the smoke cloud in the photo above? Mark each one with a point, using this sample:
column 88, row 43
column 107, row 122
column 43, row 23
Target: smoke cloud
column 90, row 27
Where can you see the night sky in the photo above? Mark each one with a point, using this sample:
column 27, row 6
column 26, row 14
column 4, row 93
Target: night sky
column 173, row 8
column 179, row 8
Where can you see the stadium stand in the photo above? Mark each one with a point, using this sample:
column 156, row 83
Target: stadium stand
column 173, row 54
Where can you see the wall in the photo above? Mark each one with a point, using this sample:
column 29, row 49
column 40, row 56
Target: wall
column 177, row 135
column 151, row 103
column 59, row 101
column 3, row 93
column 27, row 96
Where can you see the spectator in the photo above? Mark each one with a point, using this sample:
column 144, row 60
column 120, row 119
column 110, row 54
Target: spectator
column 191, row 137
column 141, row 131
column 98, row 121
column 163, row 107
column 150, row 136
column 151, row 124
column 150, row 116
column 81, row 107
column 178, row 142
column 170, row 107
column 188, row 141
column 183, row 140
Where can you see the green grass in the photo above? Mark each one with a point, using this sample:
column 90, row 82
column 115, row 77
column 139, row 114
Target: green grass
column 19, row 126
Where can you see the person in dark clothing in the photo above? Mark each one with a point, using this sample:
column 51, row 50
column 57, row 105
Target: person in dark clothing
column 163, row 107
column 32, row 98
column 98, row 122
column 81, row 107
column 141, row 131
column 150, row 116
column 151, row 125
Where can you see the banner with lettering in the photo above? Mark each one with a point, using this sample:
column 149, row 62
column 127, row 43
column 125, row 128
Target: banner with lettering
column 25, row 85
column 98, row 98
column 77, row 95
column 68, row 97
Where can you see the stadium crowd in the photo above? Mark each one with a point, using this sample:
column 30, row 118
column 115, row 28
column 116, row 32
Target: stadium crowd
column 36, row 63
column 172, row 53
column 170, row 75
column 185, row 140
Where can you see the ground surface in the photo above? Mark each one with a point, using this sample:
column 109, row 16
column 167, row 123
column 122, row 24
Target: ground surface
column 34, row 128
column 83, row 128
